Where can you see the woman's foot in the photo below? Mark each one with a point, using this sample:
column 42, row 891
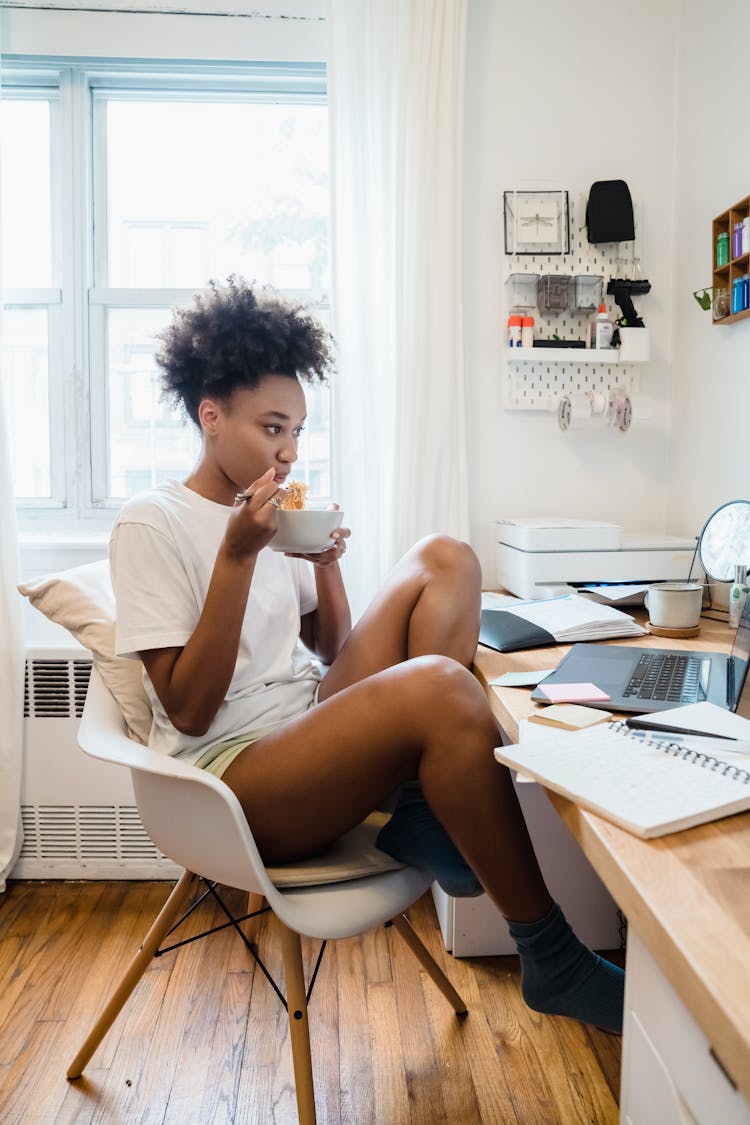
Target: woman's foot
column 562, row 977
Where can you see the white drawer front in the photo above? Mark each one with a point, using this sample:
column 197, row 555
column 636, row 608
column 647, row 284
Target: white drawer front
column 656, row 1018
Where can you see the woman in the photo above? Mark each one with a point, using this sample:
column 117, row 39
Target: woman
column 225, row 628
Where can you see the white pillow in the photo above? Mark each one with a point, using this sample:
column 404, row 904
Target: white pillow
column 82, row 601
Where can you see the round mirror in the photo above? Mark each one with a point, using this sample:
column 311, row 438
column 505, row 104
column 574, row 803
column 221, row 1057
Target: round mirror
column 725, row 540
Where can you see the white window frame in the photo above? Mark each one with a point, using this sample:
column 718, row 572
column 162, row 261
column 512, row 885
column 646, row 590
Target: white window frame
column 77, row 308
column 41, row 86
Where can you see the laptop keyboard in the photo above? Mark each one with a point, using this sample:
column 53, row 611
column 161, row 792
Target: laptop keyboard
column 674, row 677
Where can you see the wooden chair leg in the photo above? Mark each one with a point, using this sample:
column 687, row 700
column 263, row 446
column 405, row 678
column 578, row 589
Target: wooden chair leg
column 166, row 917
column 428, row 963
column 251, row 926
column 299, row 1029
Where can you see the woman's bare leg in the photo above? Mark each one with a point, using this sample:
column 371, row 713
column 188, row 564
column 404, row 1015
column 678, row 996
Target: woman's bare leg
column 390, row 713
column 425, row 717
column 305, row 785
column 429, row 605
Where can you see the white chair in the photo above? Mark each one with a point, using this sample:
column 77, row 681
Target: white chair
column 197, row 821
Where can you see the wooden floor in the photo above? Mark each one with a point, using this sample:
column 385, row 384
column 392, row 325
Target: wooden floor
column 204, row 1039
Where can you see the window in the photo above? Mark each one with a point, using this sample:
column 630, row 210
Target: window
column 125, row 189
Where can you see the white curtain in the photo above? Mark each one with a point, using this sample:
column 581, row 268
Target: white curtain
column 11, row 668
column 11, row 661
column 395, row 80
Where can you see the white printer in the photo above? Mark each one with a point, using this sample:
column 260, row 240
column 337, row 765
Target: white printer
column 536, row 553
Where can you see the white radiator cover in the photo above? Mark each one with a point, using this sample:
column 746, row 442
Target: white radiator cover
column 79, row 815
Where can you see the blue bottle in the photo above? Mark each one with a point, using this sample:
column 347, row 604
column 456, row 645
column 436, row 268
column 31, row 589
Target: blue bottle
column 736, row 290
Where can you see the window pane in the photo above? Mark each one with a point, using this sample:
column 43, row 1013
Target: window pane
column 148, row 442
column 26, row 195
column 314, row 464
column 26, row 385
column 199, row 190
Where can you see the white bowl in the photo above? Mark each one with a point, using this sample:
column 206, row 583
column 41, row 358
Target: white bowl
column 306, row 531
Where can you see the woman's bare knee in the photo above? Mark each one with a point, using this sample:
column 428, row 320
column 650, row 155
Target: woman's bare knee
column 444, row 553
column 445, row 695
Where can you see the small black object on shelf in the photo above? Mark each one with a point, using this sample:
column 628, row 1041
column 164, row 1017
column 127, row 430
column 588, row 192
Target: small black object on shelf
column 623, row 292
column 559, row 343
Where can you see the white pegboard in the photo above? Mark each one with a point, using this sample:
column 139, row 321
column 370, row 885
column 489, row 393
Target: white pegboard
column 542, row 382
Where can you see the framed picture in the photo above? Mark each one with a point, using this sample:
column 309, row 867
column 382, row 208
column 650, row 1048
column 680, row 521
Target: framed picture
column 536, row 222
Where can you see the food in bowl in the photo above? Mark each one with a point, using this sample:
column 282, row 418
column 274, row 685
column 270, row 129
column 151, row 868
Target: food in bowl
column 293, row 497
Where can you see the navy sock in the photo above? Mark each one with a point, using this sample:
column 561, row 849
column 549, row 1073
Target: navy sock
column 562, row 977
column 415, row 835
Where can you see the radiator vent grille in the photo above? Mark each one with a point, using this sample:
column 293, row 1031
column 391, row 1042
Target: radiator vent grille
column 56, row 689
column 86, row 834
column 79, row 816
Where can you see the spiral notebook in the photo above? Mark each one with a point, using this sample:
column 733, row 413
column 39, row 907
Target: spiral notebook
column 649, row 786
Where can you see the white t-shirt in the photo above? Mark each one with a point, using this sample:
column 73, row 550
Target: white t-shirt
column 162, row 553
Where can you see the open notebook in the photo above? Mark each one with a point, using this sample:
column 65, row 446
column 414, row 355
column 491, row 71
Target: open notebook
column 549, row 621
column 647, row 785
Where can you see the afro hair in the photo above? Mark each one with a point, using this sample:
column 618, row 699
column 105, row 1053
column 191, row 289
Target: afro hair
column 234, row 335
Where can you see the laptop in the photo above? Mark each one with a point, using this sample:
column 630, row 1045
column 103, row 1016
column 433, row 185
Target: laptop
column 642, row 680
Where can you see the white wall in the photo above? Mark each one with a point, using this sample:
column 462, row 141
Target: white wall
column 711, row 385
column 651, row 93
column 569, row 93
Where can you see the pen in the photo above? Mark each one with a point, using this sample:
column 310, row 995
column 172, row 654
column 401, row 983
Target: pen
column 663, row 728
column 657, row 735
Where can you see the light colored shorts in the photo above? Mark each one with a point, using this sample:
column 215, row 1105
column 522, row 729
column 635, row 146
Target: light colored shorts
column 219, row 757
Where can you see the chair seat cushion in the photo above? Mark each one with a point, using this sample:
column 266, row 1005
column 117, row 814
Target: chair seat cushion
column 352, row 856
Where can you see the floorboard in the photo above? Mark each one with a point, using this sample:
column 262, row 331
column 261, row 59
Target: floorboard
column 204, row 1040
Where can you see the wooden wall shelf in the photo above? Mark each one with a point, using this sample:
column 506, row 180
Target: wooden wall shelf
column 724, row 276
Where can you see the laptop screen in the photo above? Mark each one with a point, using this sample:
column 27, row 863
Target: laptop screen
column 738, row 678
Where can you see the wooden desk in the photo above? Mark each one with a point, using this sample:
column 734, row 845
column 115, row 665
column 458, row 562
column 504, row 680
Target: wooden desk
column 686, row 896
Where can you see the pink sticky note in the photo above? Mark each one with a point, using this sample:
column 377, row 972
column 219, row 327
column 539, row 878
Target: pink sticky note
column 573, row 693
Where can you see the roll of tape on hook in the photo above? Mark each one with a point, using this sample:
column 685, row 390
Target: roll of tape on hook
column 574, row 411
column 598, row 403
column 620, row 410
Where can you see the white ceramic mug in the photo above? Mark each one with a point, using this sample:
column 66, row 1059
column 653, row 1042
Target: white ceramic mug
column 674, row 605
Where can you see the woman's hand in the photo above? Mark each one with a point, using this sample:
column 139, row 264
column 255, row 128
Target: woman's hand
column 254, row 521
column 332, row 554
column 325, row 630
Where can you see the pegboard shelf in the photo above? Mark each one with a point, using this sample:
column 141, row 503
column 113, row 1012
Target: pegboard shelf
column 542, row 378
column 608, row 356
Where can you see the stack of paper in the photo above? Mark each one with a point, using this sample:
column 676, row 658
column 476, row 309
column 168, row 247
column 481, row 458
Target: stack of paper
column 562, row 620
column 616, row 593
